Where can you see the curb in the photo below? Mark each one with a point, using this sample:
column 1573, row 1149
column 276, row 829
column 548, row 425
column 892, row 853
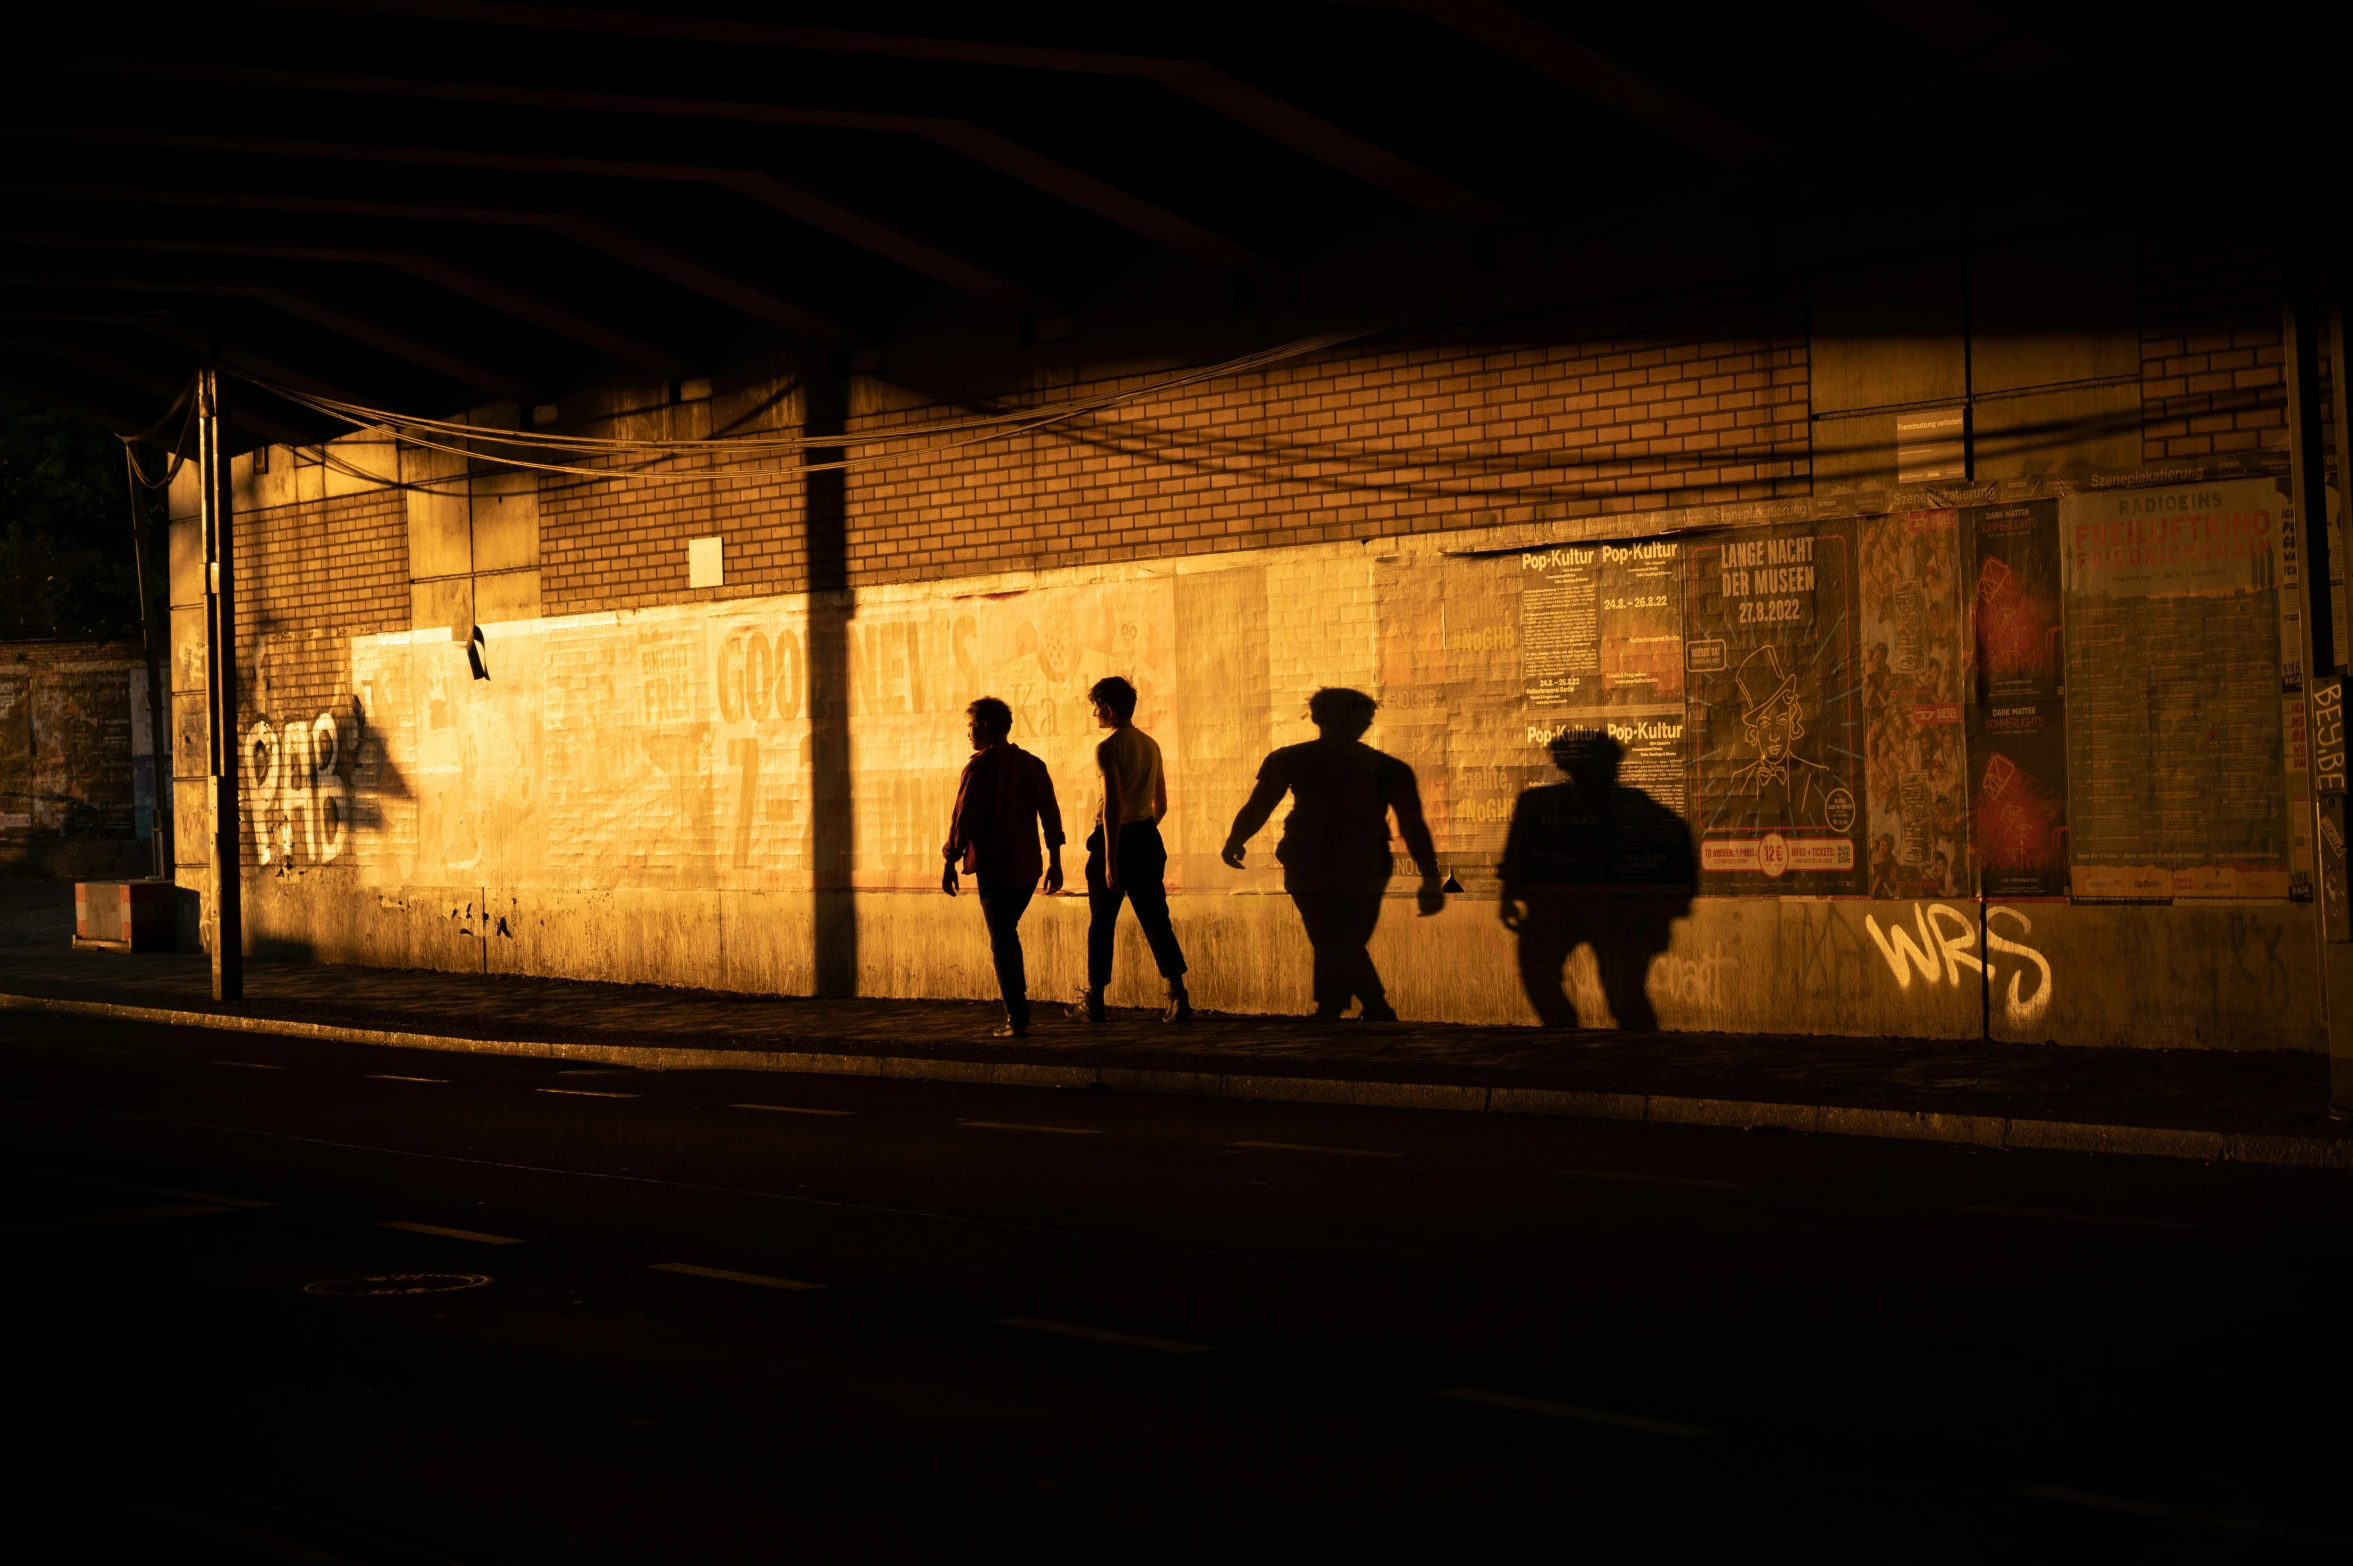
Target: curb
column 2303, row 1152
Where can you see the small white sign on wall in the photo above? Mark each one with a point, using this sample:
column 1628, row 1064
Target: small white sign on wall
column 703, row 565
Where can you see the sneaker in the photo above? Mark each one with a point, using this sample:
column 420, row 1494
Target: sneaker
column 1377, row 1011
column 1088, row 1007
column 1010, row 1030
column 1180, row 1008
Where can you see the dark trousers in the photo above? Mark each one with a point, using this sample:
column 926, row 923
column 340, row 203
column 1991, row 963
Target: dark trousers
column 1626, row 934
column 1002, row 907
column 1143, row 862
column 1339, row 927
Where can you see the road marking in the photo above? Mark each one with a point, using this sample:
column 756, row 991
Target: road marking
column 249, row 1065
column 2059, row 1217
column 1591, row 1416
column 760, row 1278
column 1009, row 1125
column 475, row 1235
column 1310, row 1147
column 112, row 1215
column 2119, row 1503
column 386, row 1076
column 1657, row 1179
column 1102, row 1335
column 583, row 1093
column 210, row 1197
column 793, row 1109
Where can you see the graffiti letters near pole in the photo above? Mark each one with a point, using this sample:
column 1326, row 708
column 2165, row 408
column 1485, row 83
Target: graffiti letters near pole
column 1939, row 948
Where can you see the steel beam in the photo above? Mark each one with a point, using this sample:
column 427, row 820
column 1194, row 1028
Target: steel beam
column 761, row 189
column 608, row 239
column 488, row 292
column 981, row 145
column 1218, row 91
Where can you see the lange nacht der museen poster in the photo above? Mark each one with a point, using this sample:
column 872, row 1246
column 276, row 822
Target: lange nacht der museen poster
column 1775, row 709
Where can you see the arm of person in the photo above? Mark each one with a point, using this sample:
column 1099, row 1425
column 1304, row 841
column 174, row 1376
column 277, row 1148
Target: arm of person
column 1405, row 799
column 959, row 837
column 1050, row 818
column 1113, row 814
column 1272, row 786
column 1159, row 795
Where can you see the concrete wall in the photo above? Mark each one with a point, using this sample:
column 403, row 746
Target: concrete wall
column 743, row 785
column 77, row 758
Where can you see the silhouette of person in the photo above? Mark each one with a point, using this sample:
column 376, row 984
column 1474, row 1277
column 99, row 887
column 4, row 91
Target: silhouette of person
column 1125, row 857
column 1004, row 797
column 1335, row 845
column 1591, row 861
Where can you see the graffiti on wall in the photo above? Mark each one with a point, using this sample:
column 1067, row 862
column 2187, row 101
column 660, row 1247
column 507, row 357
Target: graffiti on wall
column 1940, row 946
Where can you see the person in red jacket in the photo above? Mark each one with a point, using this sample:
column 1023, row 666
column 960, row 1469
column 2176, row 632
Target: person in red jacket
column 1004, row 797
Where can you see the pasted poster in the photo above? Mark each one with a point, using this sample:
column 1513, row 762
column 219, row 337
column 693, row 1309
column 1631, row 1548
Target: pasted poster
column 1914, row 628
column 1775, row 706
column 2018, row 707
column 1602, row 629
column 1451, row 705
column 2175, row 737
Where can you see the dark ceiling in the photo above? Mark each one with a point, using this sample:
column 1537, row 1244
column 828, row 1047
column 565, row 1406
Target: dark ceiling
column 428, row 205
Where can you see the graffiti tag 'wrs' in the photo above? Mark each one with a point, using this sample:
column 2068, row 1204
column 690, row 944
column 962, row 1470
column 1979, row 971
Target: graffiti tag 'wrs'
column 1944, row 949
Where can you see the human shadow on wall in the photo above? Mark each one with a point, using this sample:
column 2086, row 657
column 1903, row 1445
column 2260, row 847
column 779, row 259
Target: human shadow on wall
column 1335, row 845
column 1593, row 862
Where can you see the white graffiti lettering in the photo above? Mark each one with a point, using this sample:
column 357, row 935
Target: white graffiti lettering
column 1939, row 945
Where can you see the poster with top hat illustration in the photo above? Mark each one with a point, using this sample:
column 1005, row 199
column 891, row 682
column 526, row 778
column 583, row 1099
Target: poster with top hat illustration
column 1775, row 710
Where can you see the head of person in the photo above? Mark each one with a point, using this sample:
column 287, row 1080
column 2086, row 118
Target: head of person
column 1590, row 758
column 989, row 722
column 1340, row 713
column 1114, row 700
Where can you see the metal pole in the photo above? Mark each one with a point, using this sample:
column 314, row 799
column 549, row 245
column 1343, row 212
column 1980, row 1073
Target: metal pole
column 220, row 559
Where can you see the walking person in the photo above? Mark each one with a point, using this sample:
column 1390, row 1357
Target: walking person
column 1004, row 797
column 1126, row 859
column 1335, row 845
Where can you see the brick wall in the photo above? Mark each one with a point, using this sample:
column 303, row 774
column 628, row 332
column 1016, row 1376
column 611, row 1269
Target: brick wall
column 2213, row 367
column 1349, row 444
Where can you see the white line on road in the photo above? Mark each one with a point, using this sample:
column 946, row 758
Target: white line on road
column 584, row 1093
column 760, row 1278
column 475, row 1235
column 209, row 1197
column 2059, row 1217
column 112, row 1215
column 2119, row 1503
column 1101, row 1335
column 1310, row 1147
column 1657, row 1179
column 386, row 1076
column 1591, row 1416
column 248, row 1065
column 793, row 1109
column 1009, row 1125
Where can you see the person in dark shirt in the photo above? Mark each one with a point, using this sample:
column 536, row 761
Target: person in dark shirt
column 1335, row 845
column 1591, row 861
column 1004, row 797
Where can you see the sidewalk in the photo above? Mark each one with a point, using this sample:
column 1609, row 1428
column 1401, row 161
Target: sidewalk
column 2257, row 1107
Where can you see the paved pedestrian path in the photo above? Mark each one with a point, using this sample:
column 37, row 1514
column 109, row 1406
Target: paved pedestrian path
column 2269, row 1094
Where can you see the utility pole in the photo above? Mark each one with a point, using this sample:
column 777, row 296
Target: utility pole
column 220, row 623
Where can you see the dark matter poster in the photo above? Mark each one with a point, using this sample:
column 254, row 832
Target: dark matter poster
column 1775, row 703
column 2018, row 707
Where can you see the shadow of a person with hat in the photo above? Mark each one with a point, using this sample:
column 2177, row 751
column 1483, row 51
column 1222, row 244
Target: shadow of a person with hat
column 1591, row 861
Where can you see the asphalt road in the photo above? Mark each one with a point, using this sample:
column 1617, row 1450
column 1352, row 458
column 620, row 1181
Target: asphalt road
column 706, row 1316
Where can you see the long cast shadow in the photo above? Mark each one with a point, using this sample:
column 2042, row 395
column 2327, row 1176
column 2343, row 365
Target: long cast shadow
column 1594, row 862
